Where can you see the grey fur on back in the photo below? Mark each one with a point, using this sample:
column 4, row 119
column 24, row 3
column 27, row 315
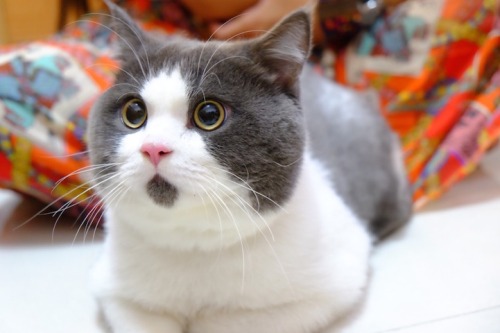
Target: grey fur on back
column 349, row 135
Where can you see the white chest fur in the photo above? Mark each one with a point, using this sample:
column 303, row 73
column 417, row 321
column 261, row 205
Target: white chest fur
column 315, row 252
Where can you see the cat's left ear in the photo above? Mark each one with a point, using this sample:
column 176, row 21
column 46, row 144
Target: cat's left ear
column 284, row 50
column 131, row 38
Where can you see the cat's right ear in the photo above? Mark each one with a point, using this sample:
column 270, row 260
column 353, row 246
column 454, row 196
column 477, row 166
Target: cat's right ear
column 131, row 38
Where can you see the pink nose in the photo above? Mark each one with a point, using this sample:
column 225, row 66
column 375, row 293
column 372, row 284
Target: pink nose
column 155, row 152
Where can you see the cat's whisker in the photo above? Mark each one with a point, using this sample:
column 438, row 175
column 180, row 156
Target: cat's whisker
column 94, row 201
column 217, row 212
column 90, row 200
column 123, row 39
column 213, row 34
column 248, row 176
column 106, row 191
column 204, row 75
column 74, row 201
column 84, row 211
column 119, row 198
column 68, row 205
column 247, row 186
column 88, row 168
column 97, row 224
column 230, row 194
column 136, row 33
column 65, row 156
column 46, row 207
column 221, row 233
column 241, row 205
column 116, row 192
column 216, row 77
column 235, row 224
column 71, row 202
column 122, row 95
column 127, row 84
column 120, row 69
column 91, row 217
column 132, row 77
column 203, row 93
column 287, row 165
column 267, row 159
column 88, row 218
column 80, row 171
column 218, row 48
column 246, row 183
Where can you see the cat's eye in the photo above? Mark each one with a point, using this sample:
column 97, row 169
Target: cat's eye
column 134, row 113
column 209, row 115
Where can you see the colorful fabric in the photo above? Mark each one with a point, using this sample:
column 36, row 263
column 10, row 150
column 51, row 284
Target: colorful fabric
column 46, row 91
column 166, row 15
column 433, row 63
column 341, row 21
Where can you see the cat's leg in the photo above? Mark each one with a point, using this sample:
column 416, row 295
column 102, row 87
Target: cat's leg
column 304, row 317
column 395, row 206
column 122, row 316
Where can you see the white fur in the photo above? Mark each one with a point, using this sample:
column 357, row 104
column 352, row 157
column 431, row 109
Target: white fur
column 211, row 263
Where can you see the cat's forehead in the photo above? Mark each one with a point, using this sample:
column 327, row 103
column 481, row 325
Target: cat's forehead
column 194, row 70
column 166, row 83
column 190, row 57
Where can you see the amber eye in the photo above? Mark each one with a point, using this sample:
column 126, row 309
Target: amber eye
column 134, row 113
column 209, row 115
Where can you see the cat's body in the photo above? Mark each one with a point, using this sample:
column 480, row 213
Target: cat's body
column 233, row 224
column 351, row 139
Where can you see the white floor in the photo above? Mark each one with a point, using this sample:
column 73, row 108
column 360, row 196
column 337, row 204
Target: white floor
column 439, row 275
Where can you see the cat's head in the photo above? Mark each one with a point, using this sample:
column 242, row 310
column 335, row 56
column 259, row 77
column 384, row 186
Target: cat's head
column 200, row 123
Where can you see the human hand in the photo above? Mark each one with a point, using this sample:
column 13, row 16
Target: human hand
column 257, row 19
column 211, row 10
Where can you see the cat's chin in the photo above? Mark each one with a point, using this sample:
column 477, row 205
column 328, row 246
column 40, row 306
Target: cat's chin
column 161, row 191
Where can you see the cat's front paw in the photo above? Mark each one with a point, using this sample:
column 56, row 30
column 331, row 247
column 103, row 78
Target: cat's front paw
column 122, row 316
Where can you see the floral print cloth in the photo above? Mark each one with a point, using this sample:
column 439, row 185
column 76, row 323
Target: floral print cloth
column 435, row 66
column 46, row 91
column 433, row 63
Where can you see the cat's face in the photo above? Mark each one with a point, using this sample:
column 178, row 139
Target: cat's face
column 188, row 122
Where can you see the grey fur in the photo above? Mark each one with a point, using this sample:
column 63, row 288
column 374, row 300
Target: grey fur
column 348, row 134
column 162, row 192
column 263, row 139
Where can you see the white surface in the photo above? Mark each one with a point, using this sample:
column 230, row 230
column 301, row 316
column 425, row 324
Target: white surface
column 441, row 274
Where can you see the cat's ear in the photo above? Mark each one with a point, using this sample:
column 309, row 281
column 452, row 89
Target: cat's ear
column 131, row 39
column 285, row 48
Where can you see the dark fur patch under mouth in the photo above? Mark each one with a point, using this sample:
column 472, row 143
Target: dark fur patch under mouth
column 161, row 191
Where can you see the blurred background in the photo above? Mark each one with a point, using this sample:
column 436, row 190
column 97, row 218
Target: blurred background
column 27, row 20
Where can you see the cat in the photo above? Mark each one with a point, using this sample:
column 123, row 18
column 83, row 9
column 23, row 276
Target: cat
column 242, row 191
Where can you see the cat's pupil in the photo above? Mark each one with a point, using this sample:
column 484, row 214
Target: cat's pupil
column 209, row 114
column 135, row 113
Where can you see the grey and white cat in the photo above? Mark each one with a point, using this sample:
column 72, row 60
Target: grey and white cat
column 233, row 205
